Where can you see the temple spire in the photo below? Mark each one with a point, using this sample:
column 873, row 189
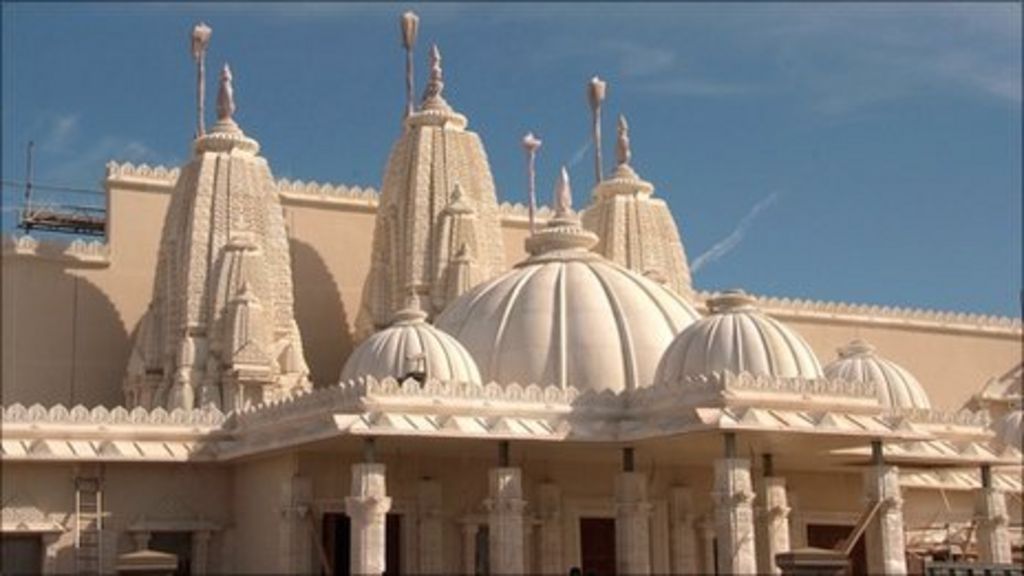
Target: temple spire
column 226, row 96
column 623, row 152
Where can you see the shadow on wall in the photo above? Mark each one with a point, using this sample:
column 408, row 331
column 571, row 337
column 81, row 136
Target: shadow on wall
column 320, row 313
column 69, row 344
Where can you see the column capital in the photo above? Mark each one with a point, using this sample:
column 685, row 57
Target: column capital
column 504, row 505
column 364, row 508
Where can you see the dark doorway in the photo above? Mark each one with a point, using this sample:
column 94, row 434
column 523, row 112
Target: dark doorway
column 831, row 537
column 393, row 545
column 597, row 546
column 177, row 543
column 21, row 554
column 337, row 530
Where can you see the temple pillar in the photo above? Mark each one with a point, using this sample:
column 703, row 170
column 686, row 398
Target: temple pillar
column 632, row 519
column 469, row 548
column 429, row 537
column 295, row 533
column 993, row 532
column 201, row 551
column 683, row 544
column 505, row 516
column 734, row 513
column 367, row 508
column 51, row 548
column 707, row 529
column 550, row 511
column 797, row 525
column 884, row 538
column 773, row 527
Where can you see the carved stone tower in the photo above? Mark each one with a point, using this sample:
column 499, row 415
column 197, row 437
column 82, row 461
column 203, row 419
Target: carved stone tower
column 437, row 230
column 636, row 230
column 220, row 329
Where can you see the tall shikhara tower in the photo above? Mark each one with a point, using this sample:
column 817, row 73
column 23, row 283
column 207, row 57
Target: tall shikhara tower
column 636, row 230
column 437, row 231
column 220, row 329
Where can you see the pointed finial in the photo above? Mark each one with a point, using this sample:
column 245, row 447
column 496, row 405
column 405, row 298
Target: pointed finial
column 435, row 86
column 563, row 196
column 625, row 154
column 226, row 96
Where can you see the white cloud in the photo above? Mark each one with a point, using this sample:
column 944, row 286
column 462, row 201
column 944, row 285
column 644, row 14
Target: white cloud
column 730, row 242
column 62, row 130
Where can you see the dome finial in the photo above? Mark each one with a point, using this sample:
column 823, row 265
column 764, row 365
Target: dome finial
column 624, row 152
column 412, row 311
column 226, row 96
column 563, row 196
column 435, row 86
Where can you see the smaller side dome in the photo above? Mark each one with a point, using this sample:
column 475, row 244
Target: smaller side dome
column 737, row 337
column 411, row 347
column 897, row 388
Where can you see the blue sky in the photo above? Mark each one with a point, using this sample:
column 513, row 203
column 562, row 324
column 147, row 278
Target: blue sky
column 856, row 152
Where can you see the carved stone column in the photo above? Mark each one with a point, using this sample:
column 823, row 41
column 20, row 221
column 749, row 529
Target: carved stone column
column 884, row 539
column 429, row 537
column 50, row 550
column 734, row 517
column 683, row 537
column 632, row 524
column 505, row 520
column 707, row 529
column 469, row 548
column 797, row 525
column 367, row 509
column 993, row 533
column 201, row 551
column 295, row 536
column 550, row 510
column 773, row 525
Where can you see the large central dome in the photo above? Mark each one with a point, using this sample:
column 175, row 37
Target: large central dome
column 568, row 317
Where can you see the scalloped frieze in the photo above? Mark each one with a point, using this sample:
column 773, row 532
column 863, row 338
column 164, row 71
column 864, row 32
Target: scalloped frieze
column 59, row 414
column 325, row 191
column 774, row 304
column 127, row 170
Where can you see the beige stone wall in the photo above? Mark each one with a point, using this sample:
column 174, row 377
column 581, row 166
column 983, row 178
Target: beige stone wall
column 172, row 496
column 67, row 324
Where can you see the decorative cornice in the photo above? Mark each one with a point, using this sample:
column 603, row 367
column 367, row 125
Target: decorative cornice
column 160, row 176
column 80, row 252
column 80, row 415
column 327, row 194
column 798, row 308
column 516, row 213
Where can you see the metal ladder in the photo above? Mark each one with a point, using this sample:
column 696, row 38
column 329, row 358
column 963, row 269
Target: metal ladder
column 88, row 524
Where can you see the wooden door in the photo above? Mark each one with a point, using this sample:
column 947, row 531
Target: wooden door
column 597, row 546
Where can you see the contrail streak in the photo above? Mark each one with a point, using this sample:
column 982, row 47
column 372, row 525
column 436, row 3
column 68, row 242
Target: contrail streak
column 727, row 244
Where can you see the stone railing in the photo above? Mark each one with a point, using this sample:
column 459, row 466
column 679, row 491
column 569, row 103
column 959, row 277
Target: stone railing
column 516, row 211
column 968, row 418
column 729, row 387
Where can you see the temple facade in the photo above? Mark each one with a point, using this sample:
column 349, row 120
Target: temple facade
column 254, row 375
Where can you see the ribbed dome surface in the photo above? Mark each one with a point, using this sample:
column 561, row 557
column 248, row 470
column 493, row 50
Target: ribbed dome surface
column 410, row 345
column 568, row 317
column 737, row 337
column 897, row 388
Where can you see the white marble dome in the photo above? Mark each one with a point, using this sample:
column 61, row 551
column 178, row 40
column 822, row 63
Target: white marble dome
column 737, row 337
column 897, row 388
column 411, row 345
column 568, row 317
